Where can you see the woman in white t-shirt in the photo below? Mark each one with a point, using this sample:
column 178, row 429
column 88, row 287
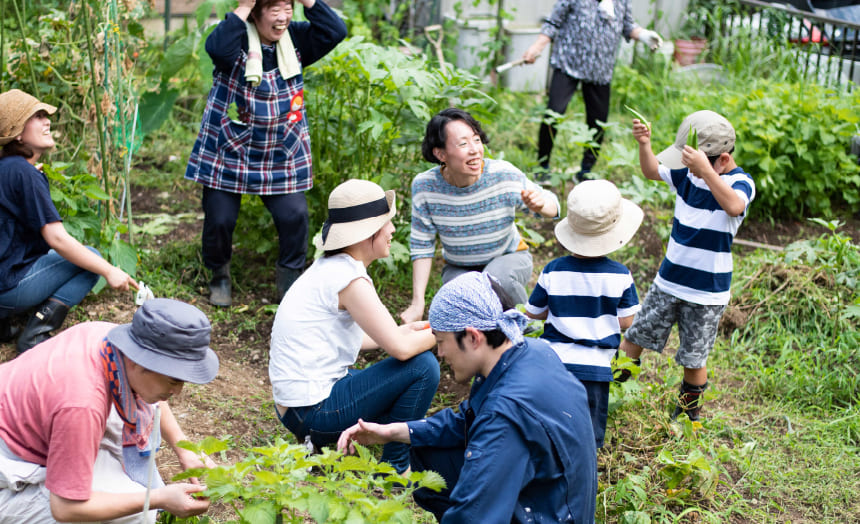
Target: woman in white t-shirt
column 330, row 313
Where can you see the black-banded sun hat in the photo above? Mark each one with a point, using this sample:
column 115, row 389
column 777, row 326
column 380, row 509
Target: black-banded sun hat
column 598, row 221
column 168, row 337
column 16, row 107
column 356, row 210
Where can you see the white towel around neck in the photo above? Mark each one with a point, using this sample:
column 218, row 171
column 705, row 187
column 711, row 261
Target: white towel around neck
column 288, row 63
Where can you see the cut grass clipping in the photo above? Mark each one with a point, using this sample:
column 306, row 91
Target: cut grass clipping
column 639, row 115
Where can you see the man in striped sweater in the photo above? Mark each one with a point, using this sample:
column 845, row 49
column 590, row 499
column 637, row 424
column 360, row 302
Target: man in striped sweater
column 470, row 202
column 692, row 286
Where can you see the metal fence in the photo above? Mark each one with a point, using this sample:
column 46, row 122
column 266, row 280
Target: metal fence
column 825, row 47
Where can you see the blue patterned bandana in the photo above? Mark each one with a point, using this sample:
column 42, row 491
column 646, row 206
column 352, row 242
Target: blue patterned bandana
column 469, row 300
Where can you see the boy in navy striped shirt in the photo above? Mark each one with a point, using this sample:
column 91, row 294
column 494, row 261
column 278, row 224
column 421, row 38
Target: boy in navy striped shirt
column 586, row 298
column 692, row 286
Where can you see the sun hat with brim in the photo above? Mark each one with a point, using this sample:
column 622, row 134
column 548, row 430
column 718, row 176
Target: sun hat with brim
column 714, row 134
column 598, row 221
column 356, row 210
column 168, row 337
column 16, row 107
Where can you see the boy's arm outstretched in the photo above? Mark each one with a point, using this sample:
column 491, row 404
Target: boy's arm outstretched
column 647, row 160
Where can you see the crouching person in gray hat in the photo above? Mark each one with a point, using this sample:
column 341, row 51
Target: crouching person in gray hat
column 521, row 447
column 77, row 417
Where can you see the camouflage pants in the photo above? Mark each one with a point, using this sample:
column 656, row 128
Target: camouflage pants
column 697, row 327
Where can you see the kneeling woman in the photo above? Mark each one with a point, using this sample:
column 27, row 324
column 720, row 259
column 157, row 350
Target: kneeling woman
column 329, row 314
column 41, row 265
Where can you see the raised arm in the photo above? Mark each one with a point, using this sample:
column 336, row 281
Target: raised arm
column 647, row 159
column 699, row 165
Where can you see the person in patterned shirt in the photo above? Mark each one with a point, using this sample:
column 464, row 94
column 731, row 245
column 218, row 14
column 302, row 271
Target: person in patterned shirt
column 585, row 35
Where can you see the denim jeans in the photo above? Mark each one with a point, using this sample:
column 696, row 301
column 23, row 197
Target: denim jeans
column 52, row 276
column 513, row 271
column 388, row 391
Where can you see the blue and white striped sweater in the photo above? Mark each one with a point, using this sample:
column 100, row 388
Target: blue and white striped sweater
column 698, row 262
column 583, row 299
column 475, row 224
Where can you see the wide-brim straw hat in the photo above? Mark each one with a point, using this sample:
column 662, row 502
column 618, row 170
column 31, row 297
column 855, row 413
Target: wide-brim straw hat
column 356, row 210
column 168, row 337
column 598, row 221
column 16, row 107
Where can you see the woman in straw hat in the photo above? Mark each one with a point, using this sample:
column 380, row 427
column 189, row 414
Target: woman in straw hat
column 333, row 311
column 41, row 265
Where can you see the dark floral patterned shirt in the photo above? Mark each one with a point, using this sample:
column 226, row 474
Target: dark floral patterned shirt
column 584, row 40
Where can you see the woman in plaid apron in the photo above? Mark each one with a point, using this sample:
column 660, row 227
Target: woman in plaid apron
column 254, row 136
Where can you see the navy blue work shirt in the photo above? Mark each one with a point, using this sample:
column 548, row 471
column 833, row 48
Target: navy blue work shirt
column 529, row 443
column 25, row 207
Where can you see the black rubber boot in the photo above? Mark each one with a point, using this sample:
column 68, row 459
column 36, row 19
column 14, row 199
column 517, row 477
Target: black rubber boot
column 220, row 288
column 285, row 278
column 8, row 330
column 48, row 317
column 690, row 400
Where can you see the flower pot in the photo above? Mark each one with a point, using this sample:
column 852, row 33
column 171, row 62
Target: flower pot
column 689, row 52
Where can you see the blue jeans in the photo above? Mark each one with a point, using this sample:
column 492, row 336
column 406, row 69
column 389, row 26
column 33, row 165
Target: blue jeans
column 52, row 276
column 388, row 391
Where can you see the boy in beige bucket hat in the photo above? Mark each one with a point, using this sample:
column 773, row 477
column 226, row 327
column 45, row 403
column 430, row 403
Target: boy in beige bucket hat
column 585, row 297
column 692, row 286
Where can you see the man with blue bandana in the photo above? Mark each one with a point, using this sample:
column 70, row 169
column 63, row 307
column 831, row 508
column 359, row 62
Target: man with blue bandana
column 521, row 447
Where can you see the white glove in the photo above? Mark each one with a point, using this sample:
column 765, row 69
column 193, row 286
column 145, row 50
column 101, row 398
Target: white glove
column 607, row 7
column 650, row 38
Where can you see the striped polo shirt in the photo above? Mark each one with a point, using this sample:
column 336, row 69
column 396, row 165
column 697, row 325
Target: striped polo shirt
column 476, row 223
column 698, row 262
column 583, row 298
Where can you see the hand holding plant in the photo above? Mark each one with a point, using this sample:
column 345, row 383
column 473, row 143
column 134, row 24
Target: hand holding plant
column 696, row 161
column 641, row 132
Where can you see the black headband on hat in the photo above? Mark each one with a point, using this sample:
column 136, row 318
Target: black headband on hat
column 343, row 215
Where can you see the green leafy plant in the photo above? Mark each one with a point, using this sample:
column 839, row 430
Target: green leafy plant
column 282, row 483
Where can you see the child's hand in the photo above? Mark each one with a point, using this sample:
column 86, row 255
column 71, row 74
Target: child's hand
column 534, row 199
column 641, row 132
column 696, row 161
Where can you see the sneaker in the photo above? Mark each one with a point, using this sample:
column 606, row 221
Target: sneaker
column 583, row 174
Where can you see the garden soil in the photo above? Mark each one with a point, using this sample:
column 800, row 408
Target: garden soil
column 238, row 402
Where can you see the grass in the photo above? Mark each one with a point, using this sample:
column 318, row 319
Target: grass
column 779, row 441
column 781, row 430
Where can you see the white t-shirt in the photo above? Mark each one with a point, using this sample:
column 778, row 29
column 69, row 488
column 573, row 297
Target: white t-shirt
column 313, row 342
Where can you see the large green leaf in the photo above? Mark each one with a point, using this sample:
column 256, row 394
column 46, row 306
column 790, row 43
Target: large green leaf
column 155, row 108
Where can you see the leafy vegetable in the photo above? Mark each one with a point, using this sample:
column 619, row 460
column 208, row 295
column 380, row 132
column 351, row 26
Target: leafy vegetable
column 639, row 115
column 693, row 138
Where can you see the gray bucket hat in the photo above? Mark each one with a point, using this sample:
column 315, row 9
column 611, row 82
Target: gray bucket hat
column 169, row 337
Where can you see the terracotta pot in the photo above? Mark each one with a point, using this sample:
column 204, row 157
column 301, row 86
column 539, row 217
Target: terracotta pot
column 689, row 52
